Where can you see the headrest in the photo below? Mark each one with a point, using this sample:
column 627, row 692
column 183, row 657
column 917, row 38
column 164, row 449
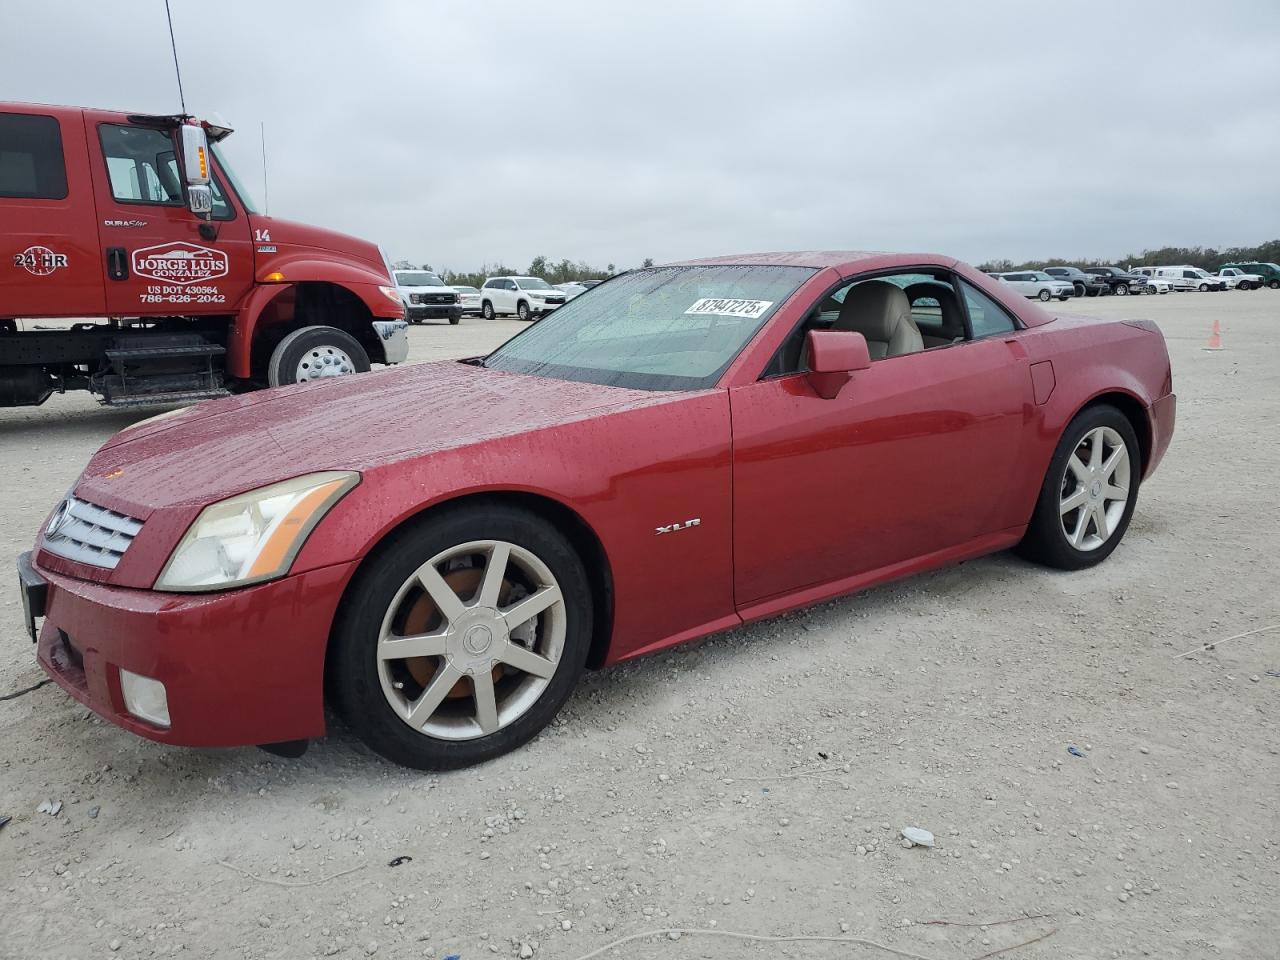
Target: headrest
column 874, row 309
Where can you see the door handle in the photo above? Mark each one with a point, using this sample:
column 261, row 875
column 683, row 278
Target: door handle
column 117, row 263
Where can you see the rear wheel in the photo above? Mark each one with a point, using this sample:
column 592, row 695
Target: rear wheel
column 462, row 638
column 1088, row 494
column 315, row 353
column 1274, row 284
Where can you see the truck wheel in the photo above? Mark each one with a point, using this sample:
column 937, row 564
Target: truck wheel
column 1122, row 289
column 455, row 319
column 522, row 310
column 315, row 353
column 1080, row 289
column 486, row 310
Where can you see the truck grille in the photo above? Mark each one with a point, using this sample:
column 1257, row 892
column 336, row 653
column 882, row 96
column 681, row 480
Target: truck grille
column 87, row 533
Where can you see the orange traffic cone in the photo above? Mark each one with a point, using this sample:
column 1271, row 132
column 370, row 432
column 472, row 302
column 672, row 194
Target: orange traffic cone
column 1215, row 338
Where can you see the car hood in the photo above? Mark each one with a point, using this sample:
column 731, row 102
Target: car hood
column 220, row 448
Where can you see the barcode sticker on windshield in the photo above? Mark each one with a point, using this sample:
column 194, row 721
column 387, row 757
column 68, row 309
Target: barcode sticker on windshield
column 730, row 308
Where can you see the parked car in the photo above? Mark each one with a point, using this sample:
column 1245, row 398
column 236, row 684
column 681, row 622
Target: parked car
column 1269, row 272
column 527, row 297
column 426, row 297
column 469, row 298
column 1174, row 276
column 1121, row 282
column 1157, row 285
column 1203, row 280
column 1084, row 285
column 442, row 580
column 1038, row 284
column 1244, row 281
column 571, row 290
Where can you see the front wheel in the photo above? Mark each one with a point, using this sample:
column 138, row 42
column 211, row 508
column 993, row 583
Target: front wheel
column 1088, row 494
column 1045, row 296
column 455, row 319
column 1122, row 289
column 315, row 353
column 522, row 310
column 486, row 310
column 461, row 638
column 1204, row 287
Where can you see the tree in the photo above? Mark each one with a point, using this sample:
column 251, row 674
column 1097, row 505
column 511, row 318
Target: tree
column 538, row 268
column 648, row 262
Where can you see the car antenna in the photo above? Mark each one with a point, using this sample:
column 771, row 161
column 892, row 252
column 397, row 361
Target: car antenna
column 266, row 197
column 176, row 69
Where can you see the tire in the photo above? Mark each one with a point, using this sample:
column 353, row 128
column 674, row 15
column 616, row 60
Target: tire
column 1274, row 284
column 486, row 310
column 522, row 311
column 1047, row 540
column 1122, row 290
column 455, row 319
column 326, row 349
column 1244, row 285
column 1080, row 288
column 363, row 686
column 1204, row 287
column 1045, row 296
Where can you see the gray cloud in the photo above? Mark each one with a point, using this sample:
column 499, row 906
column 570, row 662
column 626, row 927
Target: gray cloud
column 615, row 131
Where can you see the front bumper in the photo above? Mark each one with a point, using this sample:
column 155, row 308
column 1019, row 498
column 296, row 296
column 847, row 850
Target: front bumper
column 433, row 311
column 394, row 335
column 240, row 668
column 541, row 308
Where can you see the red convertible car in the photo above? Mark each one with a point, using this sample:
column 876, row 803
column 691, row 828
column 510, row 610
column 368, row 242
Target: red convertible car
column 440, row 550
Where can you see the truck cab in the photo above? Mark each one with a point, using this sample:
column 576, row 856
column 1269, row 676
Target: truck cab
column 163, row 281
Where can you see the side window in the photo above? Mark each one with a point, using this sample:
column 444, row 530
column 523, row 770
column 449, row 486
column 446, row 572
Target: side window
column 986, row 317
column 31, row 161
column 141, row 164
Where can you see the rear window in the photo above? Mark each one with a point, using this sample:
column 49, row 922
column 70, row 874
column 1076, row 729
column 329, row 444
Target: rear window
column 31, row 161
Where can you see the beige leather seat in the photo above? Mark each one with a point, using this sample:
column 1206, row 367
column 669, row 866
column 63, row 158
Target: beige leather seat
column 880, row 312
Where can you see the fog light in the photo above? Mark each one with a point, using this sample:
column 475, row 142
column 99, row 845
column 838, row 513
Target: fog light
column 145, row 698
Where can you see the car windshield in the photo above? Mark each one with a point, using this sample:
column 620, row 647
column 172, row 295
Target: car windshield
column 1041, row 275
column 533, row 283
column 246, row 199
column 417, row 278
column 664, row 328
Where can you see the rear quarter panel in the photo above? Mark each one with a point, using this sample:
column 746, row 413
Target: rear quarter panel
column 1091, row 358
column 624, row 474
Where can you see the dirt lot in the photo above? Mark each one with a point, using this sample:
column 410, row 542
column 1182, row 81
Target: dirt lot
column 753, row 783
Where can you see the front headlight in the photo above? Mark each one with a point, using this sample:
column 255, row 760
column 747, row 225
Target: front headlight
column 254, row 536
column 391, row 293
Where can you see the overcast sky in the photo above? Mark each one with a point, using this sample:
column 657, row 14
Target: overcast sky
column 613, row 131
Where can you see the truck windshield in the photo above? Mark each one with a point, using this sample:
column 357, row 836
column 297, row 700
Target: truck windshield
column 236, row 183
column 408, row 278
column 664, row 328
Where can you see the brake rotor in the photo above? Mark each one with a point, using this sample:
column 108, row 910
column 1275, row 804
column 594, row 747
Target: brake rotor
column 424, row 612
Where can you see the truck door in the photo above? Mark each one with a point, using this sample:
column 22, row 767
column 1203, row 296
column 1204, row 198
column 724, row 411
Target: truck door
column 48, row 243
column 160, row 259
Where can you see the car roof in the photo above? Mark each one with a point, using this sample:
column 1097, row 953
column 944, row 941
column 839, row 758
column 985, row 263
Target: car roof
column 844, row 260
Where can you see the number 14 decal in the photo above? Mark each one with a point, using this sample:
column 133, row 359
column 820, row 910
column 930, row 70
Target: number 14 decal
column 262, row 236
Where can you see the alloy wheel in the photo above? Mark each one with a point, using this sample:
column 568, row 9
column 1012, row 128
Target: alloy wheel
column 1095, row 489
column 471, row 640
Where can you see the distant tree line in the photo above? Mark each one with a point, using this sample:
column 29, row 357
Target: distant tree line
column 1207, row 258
column 564, row 271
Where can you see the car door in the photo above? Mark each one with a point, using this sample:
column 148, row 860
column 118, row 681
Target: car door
column 156, row 254
column 48, row 241
column 504, row 298
column 915, row 455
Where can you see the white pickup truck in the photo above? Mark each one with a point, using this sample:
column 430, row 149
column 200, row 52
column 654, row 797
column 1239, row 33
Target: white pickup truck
column 1243, row 281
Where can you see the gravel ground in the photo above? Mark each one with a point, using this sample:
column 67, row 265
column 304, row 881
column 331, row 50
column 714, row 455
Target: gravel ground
column 755, row 782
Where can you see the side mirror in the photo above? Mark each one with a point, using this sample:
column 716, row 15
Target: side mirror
column 195, row 155
column 834, row 355
column 200, row 199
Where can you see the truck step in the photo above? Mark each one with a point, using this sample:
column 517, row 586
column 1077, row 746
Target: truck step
column 176, row 396
column 169, row 350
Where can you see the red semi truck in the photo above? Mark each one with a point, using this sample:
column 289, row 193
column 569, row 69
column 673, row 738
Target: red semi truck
column 136, row 228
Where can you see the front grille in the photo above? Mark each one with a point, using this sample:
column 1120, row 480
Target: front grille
column 440, row 298
column 87, row 533
column 555, row 299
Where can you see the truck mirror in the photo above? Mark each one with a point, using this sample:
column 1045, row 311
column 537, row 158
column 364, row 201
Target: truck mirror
column 195, row 155
column 200, row 199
